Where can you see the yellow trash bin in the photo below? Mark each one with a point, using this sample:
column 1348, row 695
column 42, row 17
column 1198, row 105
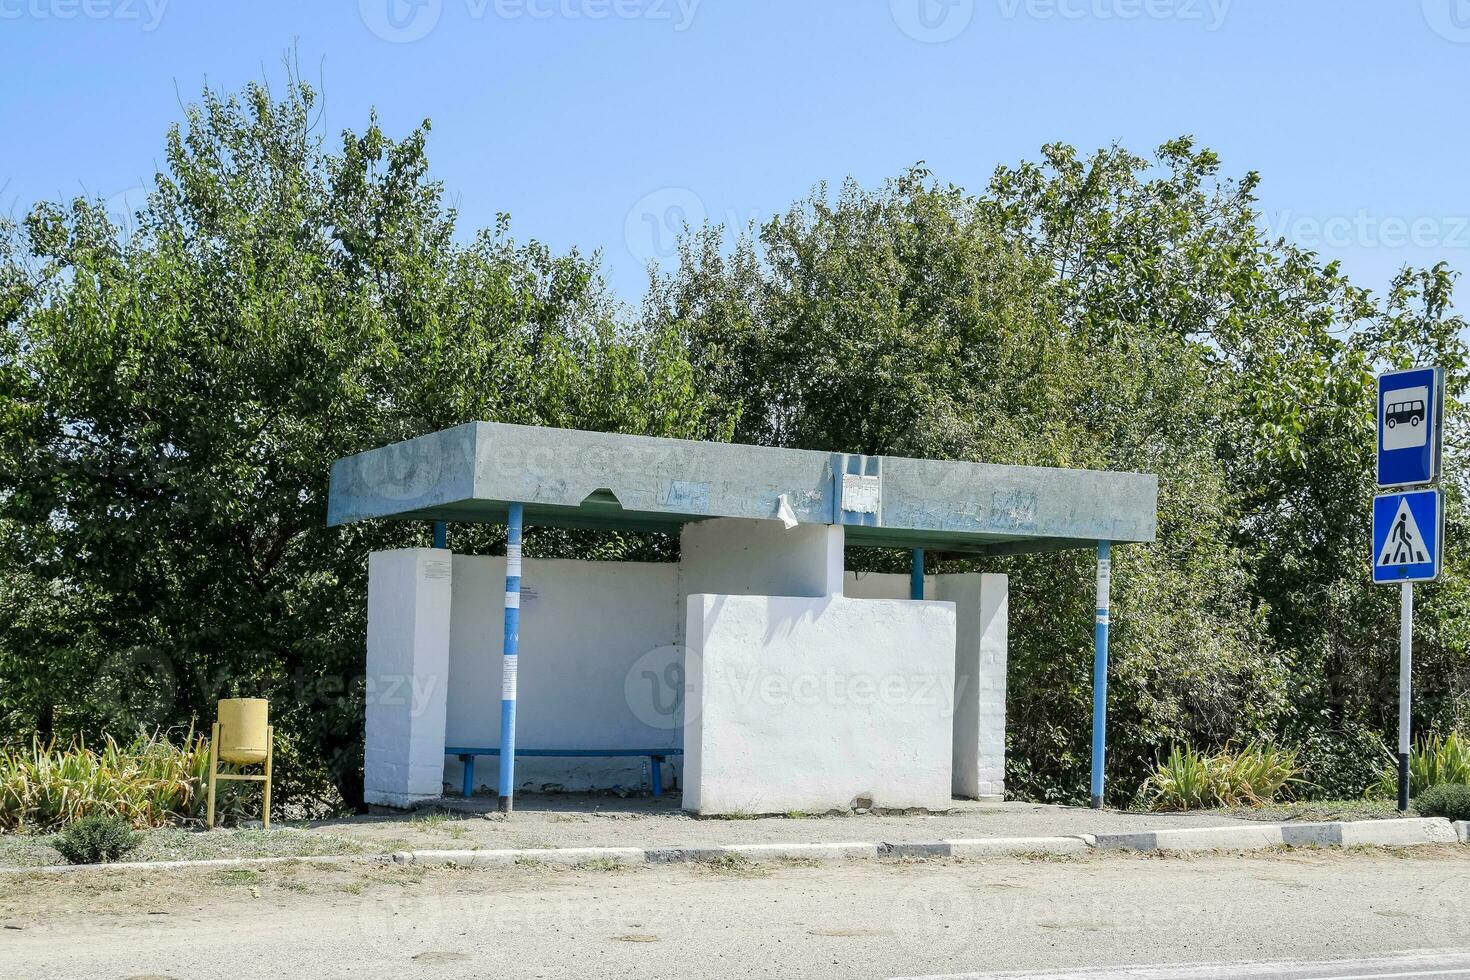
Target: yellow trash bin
column 242, row 736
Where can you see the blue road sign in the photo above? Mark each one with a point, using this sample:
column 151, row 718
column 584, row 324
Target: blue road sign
column 1408, row 534
column 1410, row 410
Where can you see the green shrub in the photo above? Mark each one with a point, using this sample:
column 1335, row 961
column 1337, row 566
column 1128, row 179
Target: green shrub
column 1448, row 800
column 1435, row 761
column 95, row 840
column 1340, row 762
column 1252, row 776
column 149, row 782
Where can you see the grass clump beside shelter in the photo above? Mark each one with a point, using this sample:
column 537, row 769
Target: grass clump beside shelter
column 97, row 839
column 1255, row 775
column 1448, row 800
column 148, row 782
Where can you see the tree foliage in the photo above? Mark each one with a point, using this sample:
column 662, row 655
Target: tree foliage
column 173, row 399
column 1124, row 313
column 172, row 395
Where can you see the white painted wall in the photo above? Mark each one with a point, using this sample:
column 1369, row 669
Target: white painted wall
column 601, row 665
column 407, row 675
column 815, row 703
column 981, row 624
column 728, row 556
column 598, row 668
column 882, row 585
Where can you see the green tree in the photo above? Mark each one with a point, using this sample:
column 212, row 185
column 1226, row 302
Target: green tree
column 1109, row 312
column 172, row 400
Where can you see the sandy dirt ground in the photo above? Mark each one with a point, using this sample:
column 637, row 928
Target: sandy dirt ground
column 734, row 919
column 602, row 821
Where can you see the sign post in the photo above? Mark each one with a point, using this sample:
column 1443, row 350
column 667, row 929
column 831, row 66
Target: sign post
column 1408, row 525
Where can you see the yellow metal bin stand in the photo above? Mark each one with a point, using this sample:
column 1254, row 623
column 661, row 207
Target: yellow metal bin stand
column 242, row 737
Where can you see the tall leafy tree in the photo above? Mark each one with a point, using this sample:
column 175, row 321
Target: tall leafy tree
column 173, row 398
column 1122, row 312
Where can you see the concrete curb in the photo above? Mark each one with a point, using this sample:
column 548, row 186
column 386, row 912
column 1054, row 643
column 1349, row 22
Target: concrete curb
column 1405, row 832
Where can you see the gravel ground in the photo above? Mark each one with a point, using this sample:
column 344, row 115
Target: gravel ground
column 573, row 820
column 176, row 844
column 690, row 922
column 587, row 820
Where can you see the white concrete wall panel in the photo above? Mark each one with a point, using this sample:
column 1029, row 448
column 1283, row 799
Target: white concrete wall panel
column 982, row 610
column 409, row 594
column 739, row 557
column 810, row 704
column 598, row 668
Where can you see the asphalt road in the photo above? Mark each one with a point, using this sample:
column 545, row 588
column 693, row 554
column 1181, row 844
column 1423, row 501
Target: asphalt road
column 1425, row 965
column 1328, row 915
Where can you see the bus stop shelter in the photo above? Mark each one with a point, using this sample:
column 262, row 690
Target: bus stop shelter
column 768, row 637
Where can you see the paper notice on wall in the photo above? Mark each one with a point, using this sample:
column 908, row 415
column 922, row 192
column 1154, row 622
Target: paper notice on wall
column 861, row 494
column 508, row 678
column 785, row 513
column 436, row 569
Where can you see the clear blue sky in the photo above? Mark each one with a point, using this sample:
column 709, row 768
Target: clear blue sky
column 598, row 123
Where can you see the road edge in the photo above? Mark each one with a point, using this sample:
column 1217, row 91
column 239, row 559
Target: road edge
column 1403, row 832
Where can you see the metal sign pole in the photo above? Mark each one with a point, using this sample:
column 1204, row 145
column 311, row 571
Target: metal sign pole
column 1406, row 672
column 510, row 659
column 1100, row 673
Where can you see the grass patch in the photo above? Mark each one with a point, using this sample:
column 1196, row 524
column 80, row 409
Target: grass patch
column 602, row 864
column 149, row 782
column 1316, row 811
column 179, row 844
column 236, row 876
column 733, row 866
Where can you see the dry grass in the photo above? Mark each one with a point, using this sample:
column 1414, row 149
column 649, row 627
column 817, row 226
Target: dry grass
column 150, row 782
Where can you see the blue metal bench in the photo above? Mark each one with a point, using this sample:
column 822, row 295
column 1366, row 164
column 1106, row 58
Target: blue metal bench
column 655, row 758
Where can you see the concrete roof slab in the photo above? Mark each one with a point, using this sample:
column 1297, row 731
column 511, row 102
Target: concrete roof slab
column 571, row 478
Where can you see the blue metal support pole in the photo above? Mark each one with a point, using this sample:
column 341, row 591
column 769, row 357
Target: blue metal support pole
column 441, row 534
column 511, row 660
column 916, row 575
column 1100, row 672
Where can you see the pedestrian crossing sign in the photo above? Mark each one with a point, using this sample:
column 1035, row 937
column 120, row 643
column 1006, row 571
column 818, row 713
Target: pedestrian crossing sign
column 1408, row 531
